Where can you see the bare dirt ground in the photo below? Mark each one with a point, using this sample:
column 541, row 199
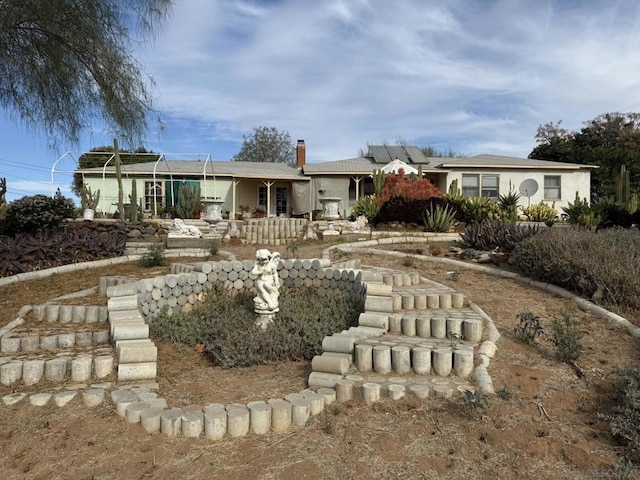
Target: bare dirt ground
column 408, row 439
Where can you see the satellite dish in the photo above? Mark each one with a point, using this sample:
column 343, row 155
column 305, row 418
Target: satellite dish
column 528, row 188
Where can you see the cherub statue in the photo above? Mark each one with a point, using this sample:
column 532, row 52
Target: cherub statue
column 268, row 282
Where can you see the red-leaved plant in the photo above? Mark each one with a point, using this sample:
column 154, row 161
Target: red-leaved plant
column 399, row 185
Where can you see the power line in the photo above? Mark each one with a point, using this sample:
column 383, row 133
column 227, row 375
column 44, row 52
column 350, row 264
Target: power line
column 22, row 165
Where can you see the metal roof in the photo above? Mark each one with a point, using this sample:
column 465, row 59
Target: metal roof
column 351, row 166
column 196, row 168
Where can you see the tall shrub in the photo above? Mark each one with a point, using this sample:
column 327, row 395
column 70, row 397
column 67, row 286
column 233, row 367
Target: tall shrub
column 38, row 213
column 402, row 186
column 603, row 266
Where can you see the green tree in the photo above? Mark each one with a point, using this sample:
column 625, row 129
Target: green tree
column 65, row 62
column 609, row 141
column 266, row 144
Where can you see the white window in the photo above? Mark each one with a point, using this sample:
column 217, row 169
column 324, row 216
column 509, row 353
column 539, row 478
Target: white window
column 470, row 185
column 490, row 186
column 480, row 185
column 552, row 189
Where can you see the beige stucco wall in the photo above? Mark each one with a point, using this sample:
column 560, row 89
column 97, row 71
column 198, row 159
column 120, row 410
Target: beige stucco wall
column 570, row 182
column 109, row 190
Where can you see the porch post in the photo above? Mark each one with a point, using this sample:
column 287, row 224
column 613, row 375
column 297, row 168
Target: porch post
column 357, row 180
column 268, row 185
column 233, row 199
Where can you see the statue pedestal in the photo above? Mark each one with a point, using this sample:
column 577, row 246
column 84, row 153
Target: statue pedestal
column 264, row 320
column 331, row 213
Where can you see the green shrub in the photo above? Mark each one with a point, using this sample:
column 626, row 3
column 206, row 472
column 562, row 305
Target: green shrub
column 529, row 327
column 154, row 256
column 492, row 234
column 476, row 402
column 365, row 206
column 624, row 470
column 479, row 209
column 504, row 394
column 566, row 337
column 38, row 213
column 226, row 326
column 577, row 212
column 624, row 418
column 541, row 213
column 603, row 266
column 439, row 219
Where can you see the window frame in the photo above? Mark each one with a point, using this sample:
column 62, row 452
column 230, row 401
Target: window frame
column 262, row 192
column 558, row 187
column 476, row 176
column 496, row 188
column 480, row 189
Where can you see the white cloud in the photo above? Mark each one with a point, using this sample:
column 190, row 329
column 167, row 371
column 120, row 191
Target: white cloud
column 463, row 74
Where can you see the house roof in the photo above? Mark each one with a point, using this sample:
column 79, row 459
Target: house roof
column 500, row 161
column 413, row 156
column 272, row 171
column 350, row 166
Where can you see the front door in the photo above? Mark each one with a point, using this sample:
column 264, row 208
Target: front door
column 281, row 201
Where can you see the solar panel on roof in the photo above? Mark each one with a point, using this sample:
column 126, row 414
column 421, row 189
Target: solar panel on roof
column 380, row 154
column 416, row 155
column 397, row 152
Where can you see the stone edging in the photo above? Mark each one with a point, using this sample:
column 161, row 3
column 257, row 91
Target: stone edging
column 582, row 303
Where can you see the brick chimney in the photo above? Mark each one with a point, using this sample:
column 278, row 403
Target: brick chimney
column 301, row 154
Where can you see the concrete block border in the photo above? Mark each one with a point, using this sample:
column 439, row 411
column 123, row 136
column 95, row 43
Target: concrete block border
column 583, row 304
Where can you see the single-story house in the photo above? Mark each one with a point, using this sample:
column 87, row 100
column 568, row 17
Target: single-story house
column 296, row 189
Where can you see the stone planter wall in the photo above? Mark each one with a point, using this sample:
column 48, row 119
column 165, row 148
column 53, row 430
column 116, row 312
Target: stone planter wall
column 136, row 231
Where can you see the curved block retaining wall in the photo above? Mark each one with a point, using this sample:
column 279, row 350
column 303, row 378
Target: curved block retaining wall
column 132, row 306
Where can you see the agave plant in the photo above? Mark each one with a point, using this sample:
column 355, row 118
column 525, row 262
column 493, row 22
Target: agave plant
column 439, row 219
column 508, row 204
column 365, row 206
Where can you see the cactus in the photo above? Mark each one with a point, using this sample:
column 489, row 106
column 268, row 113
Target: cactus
column 133, row 198
column 89, row 199
column 632, row 204
column 3, row 190
column 188, row 201
column 378, row 181
column 118, row 162
column 623, row 186
column 453, row 188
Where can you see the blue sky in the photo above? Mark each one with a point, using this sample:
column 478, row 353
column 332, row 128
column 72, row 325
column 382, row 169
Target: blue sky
column 474, row 76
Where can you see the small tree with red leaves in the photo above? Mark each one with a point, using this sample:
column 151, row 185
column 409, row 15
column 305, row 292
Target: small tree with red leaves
column 399, row 185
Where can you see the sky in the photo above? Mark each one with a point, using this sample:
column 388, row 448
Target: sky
column 472, row 76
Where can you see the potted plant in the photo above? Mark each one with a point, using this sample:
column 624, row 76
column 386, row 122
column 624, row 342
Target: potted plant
column 89, row 201
column 246, row 211
column 259, row 212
